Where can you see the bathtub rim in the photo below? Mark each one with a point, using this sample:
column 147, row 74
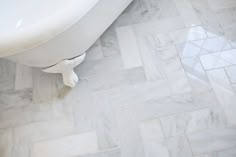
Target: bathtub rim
column 9, row 47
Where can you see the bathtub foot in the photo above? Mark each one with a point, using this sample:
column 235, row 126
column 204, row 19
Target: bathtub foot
column 66, row 68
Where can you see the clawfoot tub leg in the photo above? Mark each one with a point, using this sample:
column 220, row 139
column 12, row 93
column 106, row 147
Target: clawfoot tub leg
column 66, row 68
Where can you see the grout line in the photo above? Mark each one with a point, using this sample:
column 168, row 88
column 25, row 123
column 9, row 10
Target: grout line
column 189, row 143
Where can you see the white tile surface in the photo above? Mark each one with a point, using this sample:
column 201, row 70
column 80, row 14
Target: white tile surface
column 149, row 4
column 229, row 153
column 40, row 131
column 219, row 59
column 159, row 82
column 5, row 142
column 7, row 79
column 193, row 121
column 155, row 145
column 231, row 71
column 114, row 152
column 74, row 145
column 92, row 68
column 23, row 77
column 216, row 44
column 224, row 92
column 215, row 140
column 129, row 48
column 188, row 34
column 95, row 51
column 8, row 99
column 196, row 74
column 187, row 12
column 109, row 42
column 221, row 4
column 189, row 49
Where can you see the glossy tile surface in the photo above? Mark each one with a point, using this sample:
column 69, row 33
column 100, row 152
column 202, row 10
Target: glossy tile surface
column 161, row 81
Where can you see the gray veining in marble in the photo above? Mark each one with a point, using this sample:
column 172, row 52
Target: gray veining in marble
column 212, row 140
column 231, row 72
column 219, row 59
column 129, row 48
column 161, row 81
column 224, row 92
column 7, row 71
column 23, row 78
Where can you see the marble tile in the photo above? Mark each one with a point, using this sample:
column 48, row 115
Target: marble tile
column 216, row 44
column 164, row 25
column 196, row 74
column 150, row 58
column 114, row 152
column 8, row 99
column 205, row 155
column 46, row 87
column 167, row 8
column 128, row 133
column 74, row 145
column 190, row 49
column 92, row 68
column 132, row 14
column 106, row 123
column 152, row 136
column 224, row 92
column 5, row 143
column 129, row 48
column 221, row 4
column 233, row 43
column 109, row 42
column 225, row 17
column 22, row 150
column 155, row 144
column 106, row 127
column 23, row 78
column 187, row 13
column 142, row 11
column 193, row 121
column 188, row 34
column 81, row 100
column 179, row 146
column 231, row 72
column 207, row 17
column 173, row 104
column 143, row 91
column 95, row 51
column 200, row 47
column 181, row 35
column 117, row 79
column 215, row 139
column 225, row 153
column 21, row 115
column 41, row 131
column 161, row 63
column 134, row 94
column 10, row 118
column 100, row 118
column 7, row 79
column 218, row 59
column 149, row 4
column 234, row 87
column 151, row 130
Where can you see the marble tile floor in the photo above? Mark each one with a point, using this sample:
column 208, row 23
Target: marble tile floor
column 161, row 81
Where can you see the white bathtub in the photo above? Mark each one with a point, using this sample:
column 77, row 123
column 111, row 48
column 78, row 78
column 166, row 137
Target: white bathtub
column 53, row 33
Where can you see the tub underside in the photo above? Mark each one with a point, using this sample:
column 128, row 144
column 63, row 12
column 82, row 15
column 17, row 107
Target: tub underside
column 75, row 40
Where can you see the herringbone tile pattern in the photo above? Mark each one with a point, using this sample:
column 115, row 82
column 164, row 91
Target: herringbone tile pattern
column 161, row 81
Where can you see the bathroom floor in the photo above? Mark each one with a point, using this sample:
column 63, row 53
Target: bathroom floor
column 161, row 82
